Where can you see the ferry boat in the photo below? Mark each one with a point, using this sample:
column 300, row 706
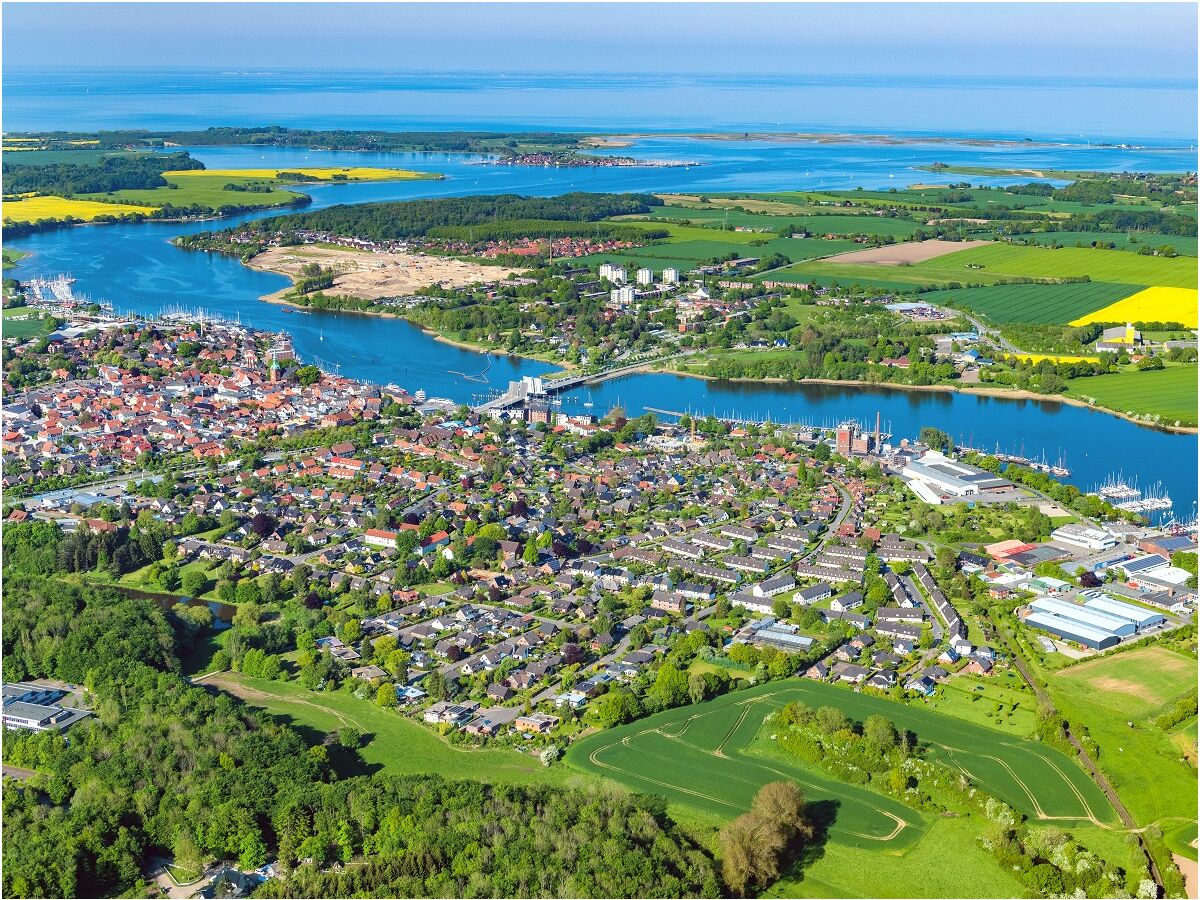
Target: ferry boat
column 420, row 395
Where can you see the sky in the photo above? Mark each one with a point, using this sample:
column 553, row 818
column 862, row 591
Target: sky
column 1077, row 40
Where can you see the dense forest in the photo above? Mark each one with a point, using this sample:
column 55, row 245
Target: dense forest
column 277, row 136
column 414, row 218
column 111, row 173
column 167, row 769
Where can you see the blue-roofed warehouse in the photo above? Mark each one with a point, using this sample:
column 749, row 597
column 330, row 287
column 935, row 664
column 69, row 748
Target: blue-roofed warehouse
column 1092, row 618
column 1141, row 618
column 1072, row 630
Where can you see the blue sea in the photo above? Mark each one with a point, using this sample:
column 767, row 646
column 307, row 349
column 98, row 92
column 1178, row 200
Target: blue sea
column 1150, row 111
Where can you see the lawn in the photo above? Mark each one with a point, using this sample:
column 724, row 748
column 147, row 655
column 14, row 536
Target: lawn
column 1034, row 303
column 397, row 744
column 33, row 209
column 1002, row 260
column 1155, row 304
column 1168, row 393
column 1143, row 763
column 698, row 756
column 840, row 870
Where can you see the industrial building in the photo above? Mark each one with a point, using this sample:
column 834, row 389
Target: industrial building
column 1094, row 618
column 1141, row 618
column 935, row 477
column 35, row 707
column 1087, row 538
column 1071, row 630
column 1100, row 622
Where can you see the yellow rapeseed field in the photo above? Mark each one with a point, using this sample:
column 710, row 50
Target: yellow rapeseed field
column 1155, row 304
column 32, row 209
column 1055, row 357
column 352, row 173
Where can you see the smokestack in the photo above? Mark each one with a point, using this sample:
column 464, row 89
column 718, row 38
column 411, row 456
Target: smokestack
column 877, row 447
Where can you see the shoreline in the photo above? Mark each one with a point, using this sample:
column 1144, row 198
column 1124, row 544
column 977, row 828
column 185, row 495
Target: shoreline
column 279, row 300
column 998, row 393
column 649, row 368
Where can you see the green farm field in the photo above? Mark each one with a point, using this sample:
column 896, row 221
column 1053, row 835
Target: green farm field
column 891, row 278
column 1008, row 260
column 1168, row 393
column 700, row 756
column 1144, row 764
column 1185, row 244
column 1035, row 303
column 1000, row 262
column 815, row 224
column 202, row 190
column 82, row 157
column 397, row 745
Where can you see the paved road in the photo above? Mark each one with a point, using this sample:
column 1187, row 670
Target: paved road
column 17, row 773
column 831, row 531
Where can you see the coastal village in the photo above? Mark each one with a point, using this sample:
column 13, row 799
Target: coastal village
column 507, row 576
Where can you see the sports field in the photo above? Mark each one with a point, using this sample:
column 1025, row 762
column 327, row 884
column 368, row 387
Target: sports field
column 1168, row 393
column 1134, row 683
column 1035, row 303
column 33, row 209
column 1154, row 304
column 697, row 756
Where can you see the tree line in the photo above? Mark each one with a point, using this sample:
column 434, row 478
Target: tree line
column 111, row 173
column 413, row 218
